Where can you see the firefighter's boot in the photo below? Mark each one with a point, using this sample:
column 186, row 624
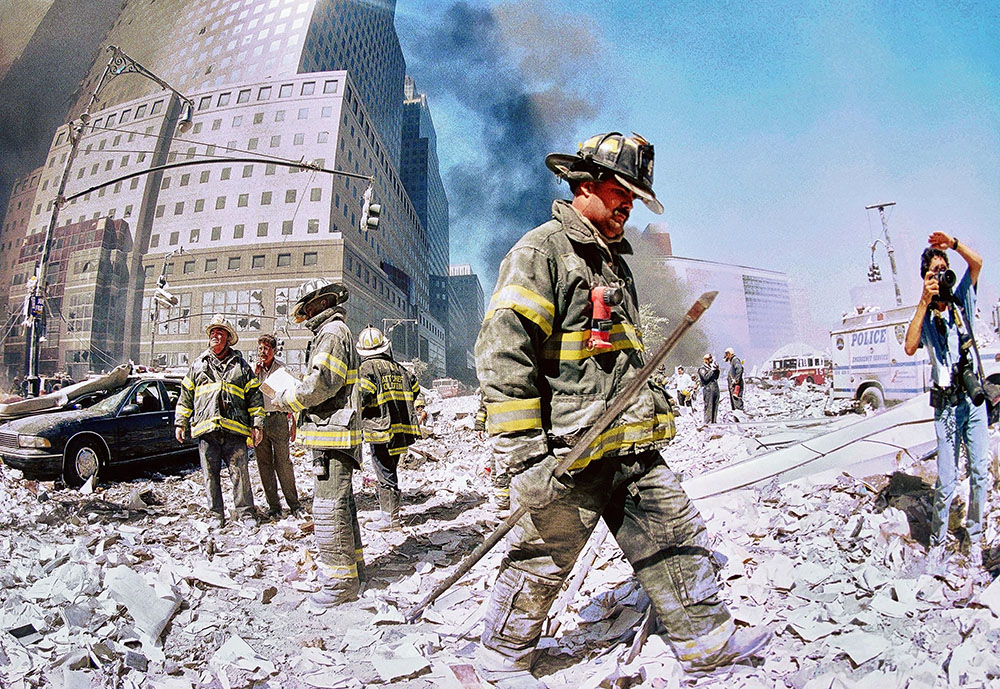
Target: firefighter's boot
column 388, row 500
column 338, row 571
column 744, row 644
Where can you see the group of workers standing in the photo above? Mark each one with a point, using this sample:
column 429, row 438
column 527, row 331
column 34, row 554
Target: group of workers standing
column 708, row 379
column 352, row 392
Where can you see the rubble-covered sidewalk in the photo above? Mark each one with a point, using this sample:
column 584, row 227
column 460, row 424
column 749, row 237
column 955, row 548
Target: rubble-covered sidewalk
column 129, row 586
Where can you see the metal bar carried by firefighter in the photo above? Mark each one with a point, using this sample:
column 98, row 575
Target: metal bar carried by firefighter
column 610, row 414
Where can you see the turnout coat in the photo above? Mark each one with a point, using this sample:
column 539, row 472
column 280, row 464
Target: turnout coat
column 220, row 395
column 390, row 401
column 542, row 385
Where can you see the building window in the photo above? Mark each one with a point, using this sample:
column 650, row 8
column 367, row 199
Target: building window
column 247, row 171
column 174, row 238
column 211, row 265
column 195, row 235
column 299, row 139
column 309, row 258
column 242, row 200
column 284, row 260
column 279, row 116
column 262, row 229
column 238, row 231
column 226, row 171
column 159, row 211
column 234, row 263
column 205, row 102
column 316, row 194
column 290, row 196
column 157, row 108
column 265, row 198
column 220, row 203
column 285, row 91
column 237, row 120
column 330, row 86
column 154, row 242
column 269, row 169
column 204, row 175
column 322, row 137
column 264, row 93
column 303, row 113
column 223, row 99
column 178, row 208
column 312, row 226
column 188, row 266
column 275, row 141
column 165, row 184
column 244, row 96
column 257, row 262
column 308, row 88
column 217, row 233
column 286, row 227
column 199, row 205
column 258, row 117
column 252, row 144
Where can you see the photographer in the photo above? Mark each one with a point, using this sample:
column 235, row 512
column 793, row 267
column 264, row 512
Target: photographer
column 943, row 324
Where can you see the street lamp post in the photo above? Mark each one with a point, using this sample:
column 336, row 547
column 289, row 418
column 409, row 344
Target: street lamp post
column 119, row 63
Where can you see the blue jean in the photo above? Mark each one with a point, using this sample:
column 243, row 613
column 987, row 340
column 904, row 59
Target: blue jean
column 217, row 448
column 963, row 423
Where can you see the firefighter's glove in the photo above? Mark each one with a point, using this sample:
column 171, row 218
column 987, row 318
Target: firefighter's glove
column 536, row 486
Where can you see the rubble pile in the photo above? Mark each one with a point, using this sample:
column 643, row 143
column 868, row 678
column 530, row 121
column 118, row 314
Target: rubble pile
column 128, row 585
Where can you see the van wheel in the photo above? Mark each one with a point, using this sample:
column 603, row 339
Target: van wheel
column 872, row 398
column 83, row 460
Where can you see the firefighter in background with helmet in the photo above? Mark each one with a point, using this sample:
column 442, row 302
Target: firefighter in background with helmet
column 546, row 379
column 391, row 410
column 329, row 424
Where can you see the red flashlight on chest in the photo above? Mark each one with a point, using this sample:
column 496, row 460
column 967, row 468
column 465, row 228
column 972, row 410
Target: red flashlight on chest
column 602, row 299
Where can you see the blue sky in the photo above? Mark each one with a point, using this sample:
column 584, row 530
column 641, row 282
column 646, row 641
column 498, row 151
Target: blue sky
column 775, row 124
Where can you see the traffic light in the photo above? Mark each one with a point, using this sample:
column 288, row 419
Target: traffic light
column 874, row 273
column 162, row 297
column 370, row 212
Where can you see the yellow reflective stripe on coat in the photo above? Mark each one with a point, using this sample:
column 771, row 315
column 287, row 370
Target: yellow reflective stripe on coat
column 368, row 386
column 395, row 396
column 220, row 422
column 514, row 415
column 345, row 438
column 380, row 437
column 660, row 427
column 522, row 300
column 332, row 363
column 573, row 346
column 254, row 383
column 182, row 412
column 256, row 411
column 208, row 388
column 396, row 451
column 707, row 644
column 293, row 401
column 187, row 383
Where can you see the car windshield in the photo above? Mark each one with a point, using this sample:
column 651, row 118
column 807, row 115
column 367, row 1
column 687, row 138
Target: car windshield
column 111, row 402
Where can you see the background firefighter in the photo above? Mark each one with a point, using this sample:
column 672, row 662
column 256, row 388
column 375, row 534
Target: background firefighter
column 544, row 383
column 708, row 376
column 735, row 379
column 329, row 427
column 221, row 397
column 391, row 410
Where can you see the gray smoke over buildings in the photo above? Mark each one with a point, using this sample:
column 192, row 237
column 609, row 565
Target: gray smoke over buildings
column 502, row 67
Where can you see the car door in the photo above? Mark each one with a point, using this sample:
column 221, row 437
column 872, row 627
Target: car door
column 140, row 420
column 171, row 393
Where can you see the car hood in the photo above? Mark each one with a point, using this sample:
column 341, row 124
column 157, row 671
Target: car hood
column 52, row 422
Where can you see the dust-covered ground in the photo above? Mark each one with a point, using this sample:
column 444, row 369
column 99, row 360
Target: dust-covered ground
column 130, row 587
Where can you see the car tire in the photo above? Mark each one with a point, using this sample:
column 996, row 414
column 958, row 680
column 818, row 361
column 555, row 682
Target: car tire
column 84, row 458
column 872, row 398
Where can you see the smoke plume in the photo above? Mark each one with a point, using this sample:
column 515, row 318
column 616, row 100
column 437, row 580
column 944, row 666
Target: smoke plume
column 502, row 67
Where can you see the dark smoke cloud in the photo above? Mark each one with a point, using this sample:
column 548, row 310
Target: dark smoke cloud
column 37, row 91
column 507, row 75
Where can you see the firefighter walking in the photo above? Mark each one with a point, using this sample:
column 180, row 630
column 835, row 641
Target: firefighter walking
column 735, row 380
column 548, row 367
column 329, row 426
column 391, row 410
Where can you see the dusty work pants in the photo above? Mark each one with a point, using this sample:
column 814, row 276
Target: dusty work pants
column 274, row 464
column 962, row 423
column 710, row 395
column 659, row 531
column 338, row 535
column 215, row 449
column 386, row 463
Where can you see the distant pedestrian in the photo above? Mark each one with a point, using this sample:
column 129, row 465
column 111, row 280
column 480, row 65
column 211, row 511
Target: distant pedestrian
column 735, row 378
column 221, row 397
column 391, row 412
column 684, row 385
column 273, row 461
column 708, row 374
column 16, row 387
